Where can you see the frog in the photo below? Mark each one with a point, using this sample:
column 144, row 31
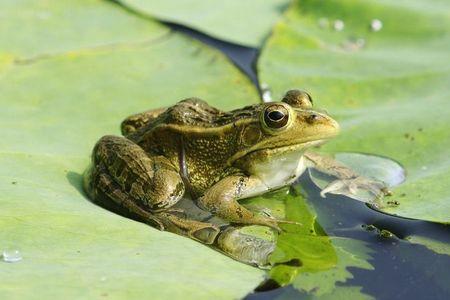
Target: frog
column 215, row 158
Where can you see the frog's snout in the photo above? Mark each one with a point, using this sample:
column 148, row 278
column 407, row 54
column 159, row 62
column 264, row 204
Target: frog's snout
column 316, row 118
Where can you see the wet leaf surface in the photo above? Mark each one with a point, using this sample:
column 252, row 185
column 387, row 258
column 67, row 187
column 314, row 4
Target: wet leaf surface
column 241, row 22
column 54, row 108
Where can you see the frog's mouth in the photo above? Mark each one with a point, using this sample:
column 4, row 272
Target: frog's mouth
column 299, row 147
column 268, row 152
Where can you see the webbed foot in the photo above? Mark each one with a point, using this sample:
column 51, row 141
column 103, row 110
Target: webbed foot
column 245, row 248
column 354, row 187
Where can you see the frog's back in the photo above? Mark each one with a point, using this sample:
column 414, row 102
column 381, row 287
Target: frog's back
column 194, row 112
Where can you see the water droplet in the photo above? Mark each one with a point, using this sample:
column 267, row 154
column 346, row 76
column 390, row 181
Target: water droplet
column 376, row 25
column 11, row 255
column 323, row 23
column 103, row 278
column 354, row 44
column 338, row 25
column 424, row 168
column 265, row 92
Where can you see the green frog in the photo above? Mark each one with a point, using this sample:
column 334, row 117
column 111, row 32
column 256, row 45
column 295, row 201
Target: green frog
column 215, row 158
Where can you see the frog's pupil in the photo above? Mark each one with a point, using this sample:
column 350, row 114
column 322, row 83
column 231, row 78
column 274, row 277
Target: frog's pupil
column 276, row 115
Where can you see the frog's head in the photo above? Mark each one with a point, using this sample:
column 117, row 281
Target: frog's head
column 283, row 129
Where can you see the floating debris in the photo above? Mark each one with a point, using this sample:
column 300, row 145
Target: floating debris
column 386, row 234
column 323, row 23
column 11, row 255
column 338, row 25
column 376, row 25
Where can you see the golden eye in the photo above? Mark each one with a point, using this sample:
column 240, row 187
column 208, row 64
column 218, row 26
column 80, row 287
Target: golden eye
column 276, row 116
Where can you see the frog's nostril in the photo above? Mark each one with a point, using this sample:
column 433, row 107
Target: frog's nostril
column 312, row 118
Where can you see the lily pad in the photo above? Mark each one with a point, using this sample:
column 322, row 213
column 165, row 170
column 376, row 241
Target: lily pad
column 305, row 256
column 350, row 253
column 387, row 87
column 242, row 22
column 300, row 248
column 57, row 100
column 37, row 29
column 430, row 243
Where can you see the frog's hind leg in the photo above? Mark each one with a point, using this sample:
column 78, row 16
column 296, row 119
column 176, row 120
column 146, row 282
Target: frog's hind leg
column 123, row 172
column 203, row 232
column 150, row 181
column 245, row 248
column 108, row 194
column 146, row 186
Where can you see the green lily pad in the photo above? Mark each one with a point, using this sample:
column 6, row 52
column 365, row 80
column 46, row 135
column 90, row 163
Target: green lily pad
column 32, row 29
column 432, row 244
column 304, row 255
column 387, row 88
column 242, row 22
column 300, row 248
column 56, row 101
column 350, row 253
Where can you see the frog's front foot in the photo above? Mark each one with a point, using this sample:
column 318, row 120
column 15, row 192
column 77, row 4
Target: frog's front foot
column 353, row 186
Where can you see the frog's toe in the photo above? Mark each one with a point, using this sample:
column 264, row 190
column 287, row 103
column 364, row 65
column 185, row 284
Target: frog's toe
column 206, row 235
column 290, row 222
column 354, row 187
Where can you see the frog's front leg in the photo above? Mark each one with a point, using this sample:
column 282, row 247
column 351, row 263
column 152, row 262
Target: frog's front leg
column 145, row 185
column 221, row 200
column 347, row 182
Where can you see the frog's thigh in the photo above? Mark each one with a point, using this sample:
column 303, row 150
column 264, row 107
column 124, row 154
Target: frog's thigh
column 221, row 200
column 106, row 186
column 151, row 181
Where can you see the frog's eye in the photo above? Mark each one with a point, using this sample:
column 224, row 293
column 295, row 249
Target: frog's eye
column 276, row 116
column 298, row 99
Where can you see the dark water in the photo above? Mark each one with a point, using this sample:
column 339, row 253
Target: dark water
column 402, row 270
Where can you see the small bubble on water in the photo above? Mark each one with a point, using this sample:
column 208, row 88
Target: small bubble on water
column 11, row 255
column 323, row 23
column 338, row 25
column 360, row 42
column 376, row 25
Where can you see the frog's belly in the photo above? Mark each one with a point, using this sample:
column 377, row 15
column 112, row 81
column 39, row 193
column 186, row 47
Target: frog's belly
column 278, row 172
